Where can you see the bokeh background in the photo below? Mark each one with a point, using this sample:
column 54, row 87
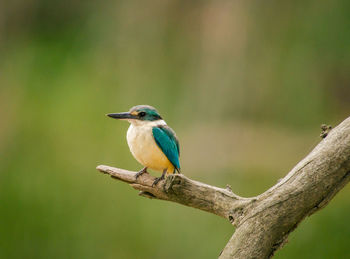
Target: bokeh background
column 245, row 84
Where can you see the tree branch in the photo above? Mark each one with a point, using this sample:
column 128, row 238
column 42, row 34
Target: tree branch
column 178, row 188
column 263, row 223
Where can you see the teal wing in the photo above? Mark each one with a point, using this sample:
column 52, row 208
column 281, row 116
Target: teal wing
column 166, row 140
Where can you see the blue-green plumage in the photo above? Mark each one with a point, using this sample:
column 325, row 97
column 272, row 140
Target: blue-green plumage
column 166, row 140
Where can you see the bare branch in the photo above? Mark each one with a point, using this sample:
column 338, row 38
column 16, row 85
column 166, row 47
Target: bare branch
column 263, row 222
column 178, row 188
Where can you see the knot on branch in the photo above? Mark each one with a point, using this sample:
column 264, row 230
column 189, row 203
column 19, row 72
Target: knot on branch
column 325, row 130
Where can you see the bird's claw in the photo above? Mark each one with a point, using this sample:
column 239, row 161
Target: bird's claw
column 138, row 174
column 157, row 180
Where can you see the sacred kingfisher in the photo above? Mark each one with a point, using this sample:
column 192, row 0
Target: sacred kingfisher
column 151, row 141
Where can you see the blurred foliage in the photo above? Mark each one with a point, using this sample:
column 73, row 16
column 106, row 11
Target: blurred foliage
column 241, row 82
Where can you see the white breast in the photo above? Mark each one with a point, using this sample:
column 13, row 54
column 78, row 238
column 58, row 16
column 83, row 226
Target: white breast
column 144, row 148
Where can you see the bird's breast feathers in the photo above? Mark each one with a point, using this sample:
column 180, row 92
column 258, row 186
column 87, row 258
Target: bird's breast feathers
column 144, row 148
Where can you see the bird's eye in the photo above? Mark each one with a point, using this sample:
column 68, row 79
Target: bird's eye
column 142, row 114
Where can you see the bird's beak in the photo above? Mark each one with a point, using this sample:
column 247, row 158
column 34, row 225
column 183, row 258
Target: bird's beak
column 122, row 116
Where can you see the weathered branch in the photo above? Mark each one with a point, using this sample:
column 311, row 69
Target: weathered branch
column 263, row 222
column 178, row 188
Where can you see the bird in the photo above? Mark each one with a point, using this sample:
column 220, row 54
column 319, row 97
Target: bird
column 151, row 141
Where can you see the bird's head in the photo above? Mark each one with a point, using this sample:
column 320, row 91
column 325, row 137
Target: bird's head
column 139, row 114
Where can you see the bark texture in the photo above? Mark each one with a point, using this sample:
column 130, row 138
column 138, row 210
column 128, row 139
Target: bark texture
column 264, row 222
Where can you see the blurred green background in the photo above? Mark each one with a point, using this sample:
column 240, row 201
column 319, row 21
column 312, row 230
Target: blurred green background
column 245, row 84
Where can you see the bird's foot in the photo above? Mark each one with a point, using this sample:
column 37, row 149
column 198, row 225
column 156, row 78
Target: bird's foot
column 158, row 179
column 142, row 171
